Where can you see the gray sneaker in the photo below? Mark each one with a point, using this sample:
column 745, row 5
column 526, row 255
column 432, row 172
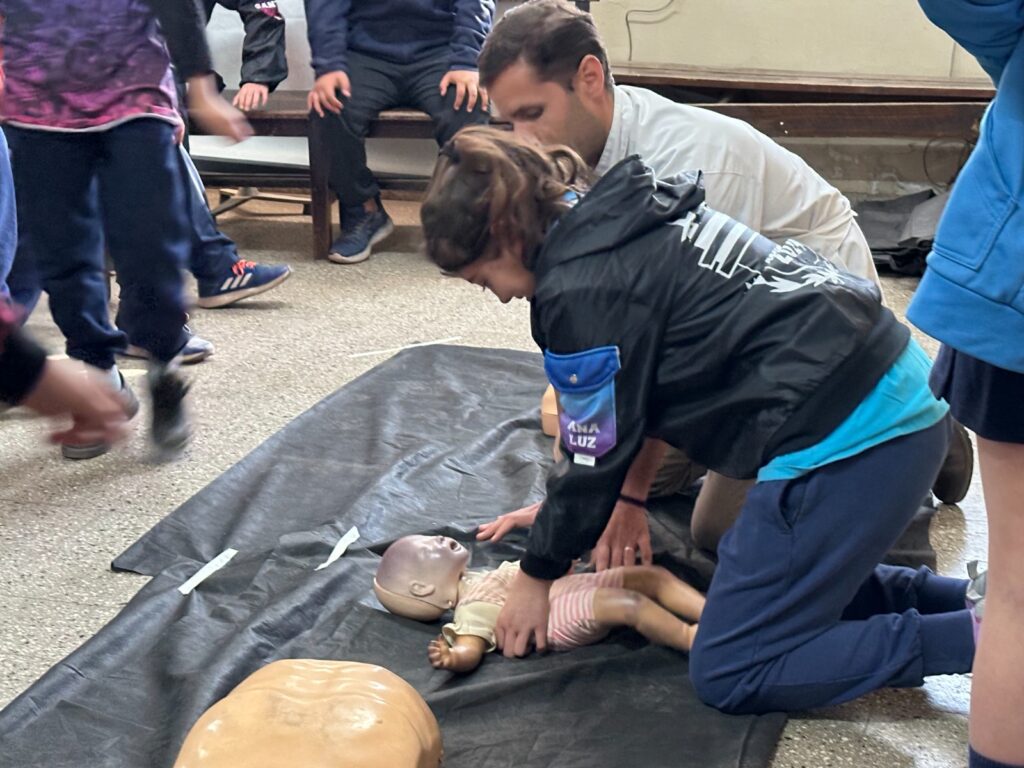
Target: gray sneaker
column 92, row 450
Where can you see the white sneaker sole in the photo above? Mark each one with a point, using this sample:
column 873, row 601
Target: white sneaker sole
column 364, row 254
column 224, row 299
column 93, row 450
column 139, row 353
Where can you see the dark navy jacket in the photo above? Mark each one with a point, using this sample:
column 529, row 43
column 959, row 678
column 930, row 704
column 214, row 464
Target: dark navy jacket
column 399, row 31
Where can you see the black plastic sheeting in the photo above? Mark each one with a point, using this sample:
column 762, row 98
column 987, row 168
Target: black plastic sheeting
column 436, row 434
column 901, row 231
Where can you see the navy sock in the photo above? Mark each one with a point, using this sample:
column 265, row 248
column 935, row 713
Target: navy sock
column 978, row 761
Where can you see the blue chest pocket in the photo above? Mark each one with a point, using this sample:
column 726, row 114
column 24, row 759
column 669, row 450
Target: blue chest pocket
column 585, row 382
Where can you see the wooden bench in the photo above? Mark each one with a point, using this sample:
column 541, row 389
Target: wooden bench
column 797, row 107
column 286, row 115
column 765, row 85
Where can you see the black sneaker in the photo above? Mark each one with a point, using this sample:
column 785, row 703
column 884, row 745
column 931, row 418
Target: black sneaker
column 92, row 450
column 954, row 478
column 172, row 427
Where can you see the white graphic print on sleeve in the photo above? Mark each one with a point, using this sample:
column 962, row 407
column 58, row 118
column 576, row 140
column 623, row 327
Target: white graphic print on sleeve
column 726, row 246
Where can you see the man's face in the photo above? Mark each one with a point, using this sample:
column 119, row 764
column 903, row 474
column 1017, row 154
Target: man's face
column 547, row 112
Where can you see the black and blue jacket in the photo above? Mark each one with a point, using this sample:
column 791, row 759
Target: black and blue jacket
column 264, row 60
column 661, row 318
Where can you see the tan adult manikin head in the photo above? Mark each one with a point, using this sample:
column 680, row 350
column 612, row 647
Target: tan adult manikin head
column 418, row 576
column 316, row 714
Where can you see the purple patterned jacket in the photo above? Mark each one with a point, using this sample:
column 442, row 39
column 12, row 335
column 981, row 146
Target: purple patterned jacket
column 84, row 65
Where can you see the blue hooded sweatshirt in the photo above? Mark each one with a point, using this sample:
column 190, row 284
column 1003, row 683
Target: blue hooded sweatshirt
column 972, row 294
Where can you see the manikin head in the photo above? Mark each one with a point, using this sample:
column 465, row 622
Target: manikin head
column 547, row 73
column 418, row 576
column 490, row 204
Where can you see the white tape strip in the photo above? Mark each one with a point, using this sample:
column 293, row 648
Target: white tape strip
column 449, row 340
column 339, row 549
column 210, row 568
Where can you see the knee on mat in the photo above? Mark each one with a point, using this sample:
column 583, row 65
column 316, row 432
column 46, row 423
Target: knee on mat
column 712, row 687
column 720, row 688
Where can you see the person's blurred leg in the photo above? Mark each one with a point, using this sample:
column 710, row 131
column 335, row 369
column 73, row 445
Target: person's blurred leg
column 8, row 219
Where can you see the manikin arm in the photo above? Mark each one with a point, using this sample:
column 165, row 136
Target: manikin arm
column 464, row 656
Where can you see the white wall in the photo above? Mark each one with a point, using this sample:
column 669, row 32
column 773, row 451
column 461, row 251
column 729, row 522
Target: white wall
column 867, row 37
column 879, row 37
column 887, row 37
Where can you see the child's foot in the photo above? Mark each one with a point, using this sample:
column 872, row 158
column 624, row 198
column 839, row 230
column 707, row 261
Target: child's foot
column 92, row 450
column 172, row 427
column 196, row 350
column 244, row 279
column 361, row 230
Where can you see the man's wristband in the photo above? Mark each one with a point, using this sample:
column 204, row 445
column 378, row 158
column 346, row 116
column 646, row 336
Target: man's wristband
column 642, row 503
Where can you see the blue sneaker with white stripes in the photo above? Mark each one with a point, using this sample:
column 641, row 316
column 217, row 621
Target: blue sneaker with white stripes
column 246, row 278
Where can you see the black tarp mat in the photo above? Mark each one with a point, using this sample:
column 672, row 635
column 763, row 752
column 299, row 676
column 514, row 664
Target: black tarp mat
column 901, row 231
column 436, row 434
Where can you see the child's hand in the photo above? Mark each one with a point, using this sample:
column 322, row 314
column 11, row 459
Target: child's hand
column 467, row 89
column 325, row 93
column 212, row 113
column 496, row 529
column 251, row 96
column 71, row 389
column 440, row 653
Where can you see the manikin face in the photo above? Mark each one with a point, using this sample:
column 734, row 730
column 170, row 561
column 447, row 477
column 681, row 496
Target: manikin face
column 425, row 567
column 505, row 276
column 551, row 113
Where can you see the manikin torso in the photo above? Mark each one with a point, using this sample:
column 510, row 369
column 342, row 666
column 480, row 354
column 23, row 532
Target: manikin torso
column 316, row 714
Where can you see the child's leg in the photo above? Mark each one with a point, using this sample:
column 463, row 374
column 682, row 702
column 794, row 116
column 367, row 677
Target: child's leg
column 147, row 229
column 212, row 253
column 997, row 696
column 626, row 608
column 772, row 635
column 421, row 88
column 55, row 176
column 8, row 219
column 375, row 87
column 662, row 586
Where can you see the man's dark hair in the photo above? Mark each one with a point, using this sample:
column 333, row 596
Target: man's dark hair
column 552, row 36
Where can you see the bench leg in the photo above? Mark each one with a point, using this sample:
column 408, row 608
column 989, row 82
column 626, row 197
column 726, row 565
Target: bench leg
column 320, row 193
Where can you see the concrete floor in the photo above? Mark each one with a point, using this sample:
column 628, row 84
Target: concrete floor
column 61, row 523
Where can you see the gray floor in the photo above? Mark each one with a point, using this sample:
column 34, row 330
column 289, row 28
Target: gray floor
column 61, row 523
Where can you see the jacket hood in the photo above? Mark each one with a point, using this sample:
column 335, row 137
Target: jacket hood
column 624, row 204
